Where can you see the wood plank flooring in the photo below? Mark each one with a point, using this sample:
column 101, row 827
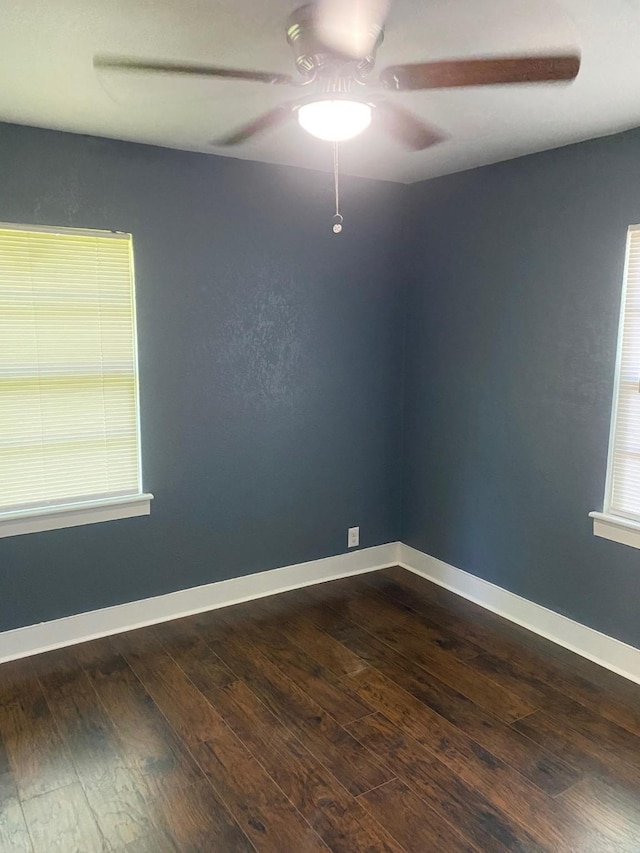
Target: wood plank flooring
column 379, row 713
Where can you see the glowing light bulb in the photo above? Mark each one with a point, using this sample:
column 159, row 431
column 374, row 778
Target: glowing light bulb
column 335, row 121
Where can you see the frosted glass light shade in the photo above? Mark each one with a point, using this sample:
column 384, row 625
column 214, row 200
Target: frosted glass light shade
column 335, row 121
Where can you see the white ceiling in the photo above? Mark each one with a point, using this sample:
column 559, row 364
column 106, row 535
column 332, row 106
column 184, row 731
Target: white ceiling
column 46, row 52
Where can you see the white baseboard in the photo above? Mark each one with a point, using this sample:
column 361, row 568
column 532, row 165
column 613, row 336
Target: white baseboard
column 46, row 636
column 600, row 648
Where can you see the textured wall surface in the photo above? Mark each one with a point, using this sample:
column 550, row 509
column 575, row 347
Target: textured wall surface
column 271, row 370
column 269, row 367
column 512, row 317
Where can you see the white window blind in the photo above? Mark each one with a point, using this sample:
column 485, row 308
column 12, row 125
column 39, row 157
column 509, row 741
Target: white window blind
column 68, row 369
column 622, row 493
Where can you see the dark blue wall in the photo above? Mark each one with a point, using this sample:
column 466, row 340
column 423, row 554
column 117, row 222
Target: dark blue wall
column 512, row 313
column 271, row 374
column 269, row 365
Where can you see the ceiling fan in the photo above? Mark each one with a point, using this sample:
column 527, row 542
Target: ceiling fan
column 335, row 43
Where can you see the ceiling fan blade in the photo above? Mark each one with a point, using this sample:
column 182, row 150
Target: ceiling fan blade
column 130, row 63
column 351, row 27
column 267, row 121
column 406, row 127
column 481, row 72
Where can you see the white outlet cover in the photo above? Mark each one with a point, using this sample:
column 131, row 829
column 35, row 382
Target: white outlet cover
column 353, row 538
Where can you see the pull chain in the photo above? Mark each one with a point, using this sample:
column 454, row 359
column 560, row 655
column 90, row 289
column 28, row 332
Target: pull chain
column 337, row 219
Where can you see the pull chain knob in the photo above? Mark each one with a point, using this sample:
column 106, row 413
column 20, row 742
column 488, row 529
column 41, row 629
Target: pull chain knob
column 337, row 219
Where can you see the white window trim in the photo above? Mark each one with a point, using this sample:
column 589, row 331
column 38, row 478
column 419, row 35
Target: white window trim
column 606, row 524
column 73, row 514
column 55, row 229
column 616, row 528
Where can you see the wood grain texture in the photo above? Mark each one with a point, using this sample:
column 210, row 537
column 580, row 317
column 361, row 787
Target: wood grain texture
column 195, row 658
column 115, row 791
column 613, row 697
column 145, row 737
column 13, row 829
column 441, row 659
column 489, row 828
column 380, row 614
column 525, row 755
column 33, row 747
column 266, row 816
column 607, row 809
column 578, row 750
column 356, row 768
column 335, row 815
column 378, row 713
column 154, row 843
column 495, row 780
column 416, row 826
column 197, row 819
column 62, row 822
column 302, row 631
column 321, row 684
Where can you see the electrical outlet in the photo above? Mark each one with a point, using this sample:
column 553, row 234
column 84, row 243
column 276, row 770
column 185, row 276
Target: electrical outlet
column 353, row 538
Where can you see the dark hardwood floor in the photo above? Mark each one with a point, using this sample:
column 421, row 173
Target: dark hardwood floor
column 376, row 713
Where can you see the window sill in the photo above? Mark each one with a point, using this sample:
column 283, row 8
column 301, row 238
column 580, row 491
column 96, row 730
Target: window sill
column 73, row 515
column 615, row 527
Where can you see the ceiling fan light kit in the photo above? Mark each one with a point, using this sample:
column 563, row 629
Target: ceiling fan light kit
column 334, row 121
column 335, row 43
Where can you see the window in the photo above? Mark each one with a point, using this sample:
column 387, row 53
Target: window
column 69, row 430
column 620, row 519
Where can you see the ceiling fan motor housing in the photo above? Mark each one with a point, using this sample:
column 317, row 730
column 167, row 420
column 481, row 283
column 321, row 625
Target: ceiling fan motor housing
column 312, row 57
